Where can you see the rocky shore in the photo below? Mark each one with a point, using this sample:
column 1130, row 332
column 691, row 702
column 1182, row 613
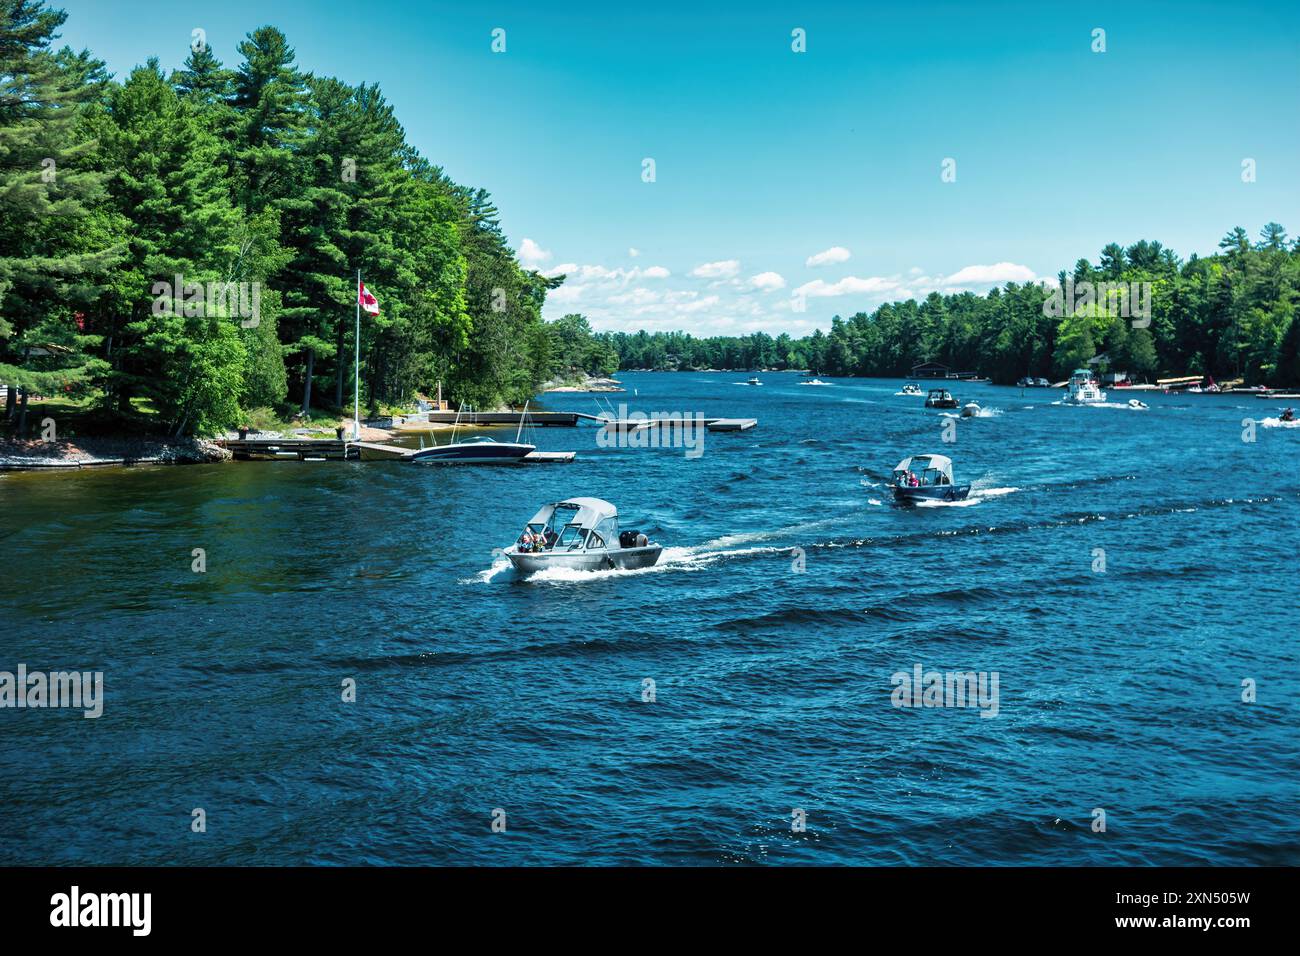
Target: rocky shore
column 588, row 385
column 97, row 452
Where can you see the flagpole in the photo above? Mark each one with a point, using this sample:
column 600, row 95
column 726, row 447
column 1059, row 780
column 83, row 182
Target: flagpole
column 356, row 376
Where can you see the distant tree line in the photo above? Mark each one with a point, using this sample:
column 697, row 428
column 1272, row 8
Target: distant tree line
column 262, row 180
column 1230, row 315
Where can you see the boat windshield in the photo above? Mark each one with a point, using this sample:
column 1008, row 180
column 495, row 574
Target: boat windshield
column 571, row 537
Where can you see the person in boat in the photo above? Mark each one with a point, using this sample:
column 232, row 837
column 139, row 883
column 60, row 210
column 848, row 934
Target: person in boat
column 526, row 541
column 912, row 480
column 1288, row 415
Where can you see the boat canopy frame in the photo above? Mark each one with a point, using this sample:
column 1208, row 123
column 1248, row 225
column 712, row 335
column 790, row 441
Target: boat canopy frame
column 939, row 465
column 591, row 516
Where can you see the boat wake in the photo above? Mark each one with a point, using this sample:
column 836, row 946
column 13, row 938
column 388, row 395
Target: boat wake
column 982, row 413
column 977, row 495
column 672, row 559
column 1277, row 423
column 1124, row 405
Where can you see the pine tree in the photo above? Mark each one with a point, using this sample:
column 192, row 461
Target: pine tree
column 54, row 259
column 185, row 357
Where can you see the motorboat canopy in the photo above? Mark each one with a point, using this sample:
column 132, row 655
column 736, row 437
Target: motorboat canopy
column 930, row 469
column 577, row 523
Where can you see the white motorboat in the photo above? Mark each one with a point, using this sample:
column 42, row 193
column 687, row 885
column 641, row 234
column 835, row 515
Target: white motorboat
column 1082, row 389
column 926, row 477
column 814, row 381
column 581, row 534
column 970, row 410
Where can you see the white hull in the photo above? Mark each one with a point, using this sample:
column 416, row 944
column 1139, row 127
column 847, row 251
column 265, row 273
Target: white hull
column 530, row 562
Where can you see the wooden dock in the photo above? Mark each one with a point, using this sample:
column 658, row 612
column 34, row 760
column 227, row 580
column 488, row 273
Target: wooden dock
column 571, row 419
column 290, row 449
column 377, row 451
column 568, row 419
column 549, row 457
column 712, row 424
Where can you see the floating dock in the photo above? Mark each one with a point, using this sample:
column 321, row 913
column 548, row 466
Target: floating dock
column 730, row 424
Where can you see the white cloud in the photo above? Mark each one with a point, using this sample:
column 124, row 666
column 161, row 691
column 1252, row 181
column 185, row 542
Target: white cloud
column 716, row 298
column 531, row 254
column 997, row 274
column 849, row 285
column 725, row 269
column 829, row 257
column 634, row 252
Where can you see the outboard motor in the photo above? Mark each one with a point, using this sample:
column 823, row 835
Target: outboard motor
column 632, row 539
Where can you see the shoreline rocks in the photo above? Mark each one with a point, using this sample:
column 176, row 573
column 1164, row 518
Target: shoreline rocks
column 79, row 453
column 590, row 385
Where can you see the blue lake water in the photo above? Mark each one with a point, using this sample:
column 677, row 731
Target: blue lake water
column 1119, row 689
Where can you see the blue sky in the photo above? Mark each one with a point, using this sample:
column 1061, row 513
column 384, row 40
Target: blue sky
column 790, row 187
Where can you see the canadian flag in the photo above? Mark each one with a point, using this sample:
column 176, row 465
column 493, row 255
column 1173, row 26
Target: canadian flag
column 369, row 304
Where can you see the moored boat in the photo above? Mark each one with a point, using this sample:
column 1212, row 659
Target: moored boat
column 927, row 477
column 581, row 534
column 474, row 451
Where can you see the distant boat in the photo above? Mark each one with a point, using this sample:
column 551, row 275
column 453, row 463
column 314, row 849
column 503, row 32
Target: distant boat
column 927, row 478
column 753, row 381
column 1083, row 390
column 814, row 381
column 940, row 398
column 1134, row 403
column 581, row 534
column 911, row 388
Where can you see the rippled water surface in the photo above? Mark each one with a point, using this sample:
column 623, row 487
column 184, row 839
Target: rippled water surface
column 1118, row 689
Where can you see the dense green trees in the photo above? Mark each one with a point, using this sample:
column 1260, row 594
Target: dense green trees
column 1231, row 315
column 56, row 244
column 141, row 216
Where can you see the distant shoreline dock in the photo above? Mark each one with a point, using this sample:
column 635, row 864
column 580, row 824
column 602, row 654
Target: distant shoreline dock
column 571, row 419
